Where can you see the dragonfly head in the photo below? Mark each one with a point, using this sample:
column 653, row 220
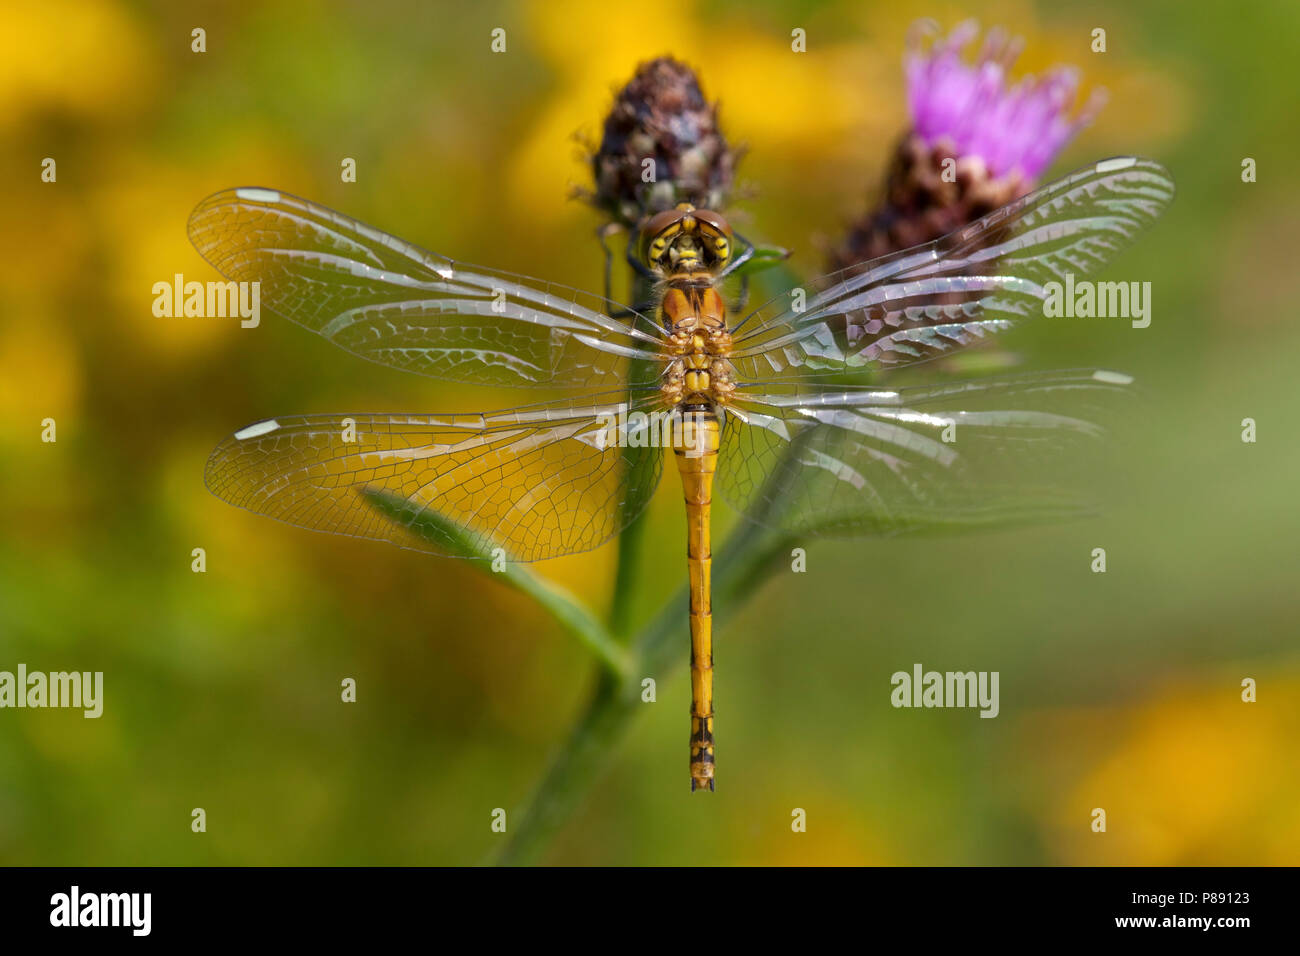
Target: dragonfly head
column 685, row 239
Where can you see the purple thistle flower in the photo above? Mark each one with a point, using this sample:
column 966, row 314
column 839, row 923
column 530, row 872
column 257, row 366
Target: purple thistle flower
column 1014, row 129
column 976, row 142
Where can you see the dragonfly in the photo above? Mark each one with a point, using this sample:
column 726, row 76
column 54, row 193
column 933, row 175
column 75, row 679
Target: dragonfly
column 782, row 411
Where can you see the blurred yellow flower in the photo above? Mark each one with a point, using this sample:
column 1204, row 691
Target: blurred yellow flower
column 42, row 377
column 1191, row 776
column 140, row 215
column 82, row 56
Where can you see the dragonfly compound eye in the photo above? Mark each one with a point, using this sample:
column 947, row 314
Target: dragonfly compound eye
column 722, row 249
column 658, row 233
column 716, row 233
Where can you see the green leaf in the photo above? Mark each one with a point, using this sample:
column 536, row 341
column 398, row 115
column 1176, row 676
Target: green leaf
column 430, row 525
column 457, row 541
column 764, row 258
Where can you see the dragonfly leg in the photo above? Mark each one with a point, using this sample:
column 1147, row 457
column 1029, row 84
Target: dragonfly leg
column 603, row 234
column 641, row 308
column 746, row 253
column 639, row 267
column 742, row 297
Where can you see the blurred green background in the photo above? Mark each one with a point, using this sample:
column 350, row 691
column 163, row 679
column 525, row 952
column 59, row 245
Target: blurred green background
column 1118, row 691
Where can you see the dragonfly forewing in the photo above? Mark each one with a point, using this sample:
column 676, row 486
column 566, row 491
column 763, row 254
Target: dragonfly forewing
column 394, row 303
column 959, row 290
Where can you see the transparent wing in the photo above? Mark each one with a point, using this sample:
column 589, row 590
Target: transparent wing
column 954, row 292
column 396, row 304
column 834, row 460
column 539, row 481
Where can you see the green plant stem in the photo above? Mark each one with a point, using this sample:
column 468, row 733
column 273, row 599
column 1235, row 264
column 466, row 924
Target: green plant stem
column 574, row 618
column 626, row 576
column 740, row 567
column 628, row 573
column 457, row 540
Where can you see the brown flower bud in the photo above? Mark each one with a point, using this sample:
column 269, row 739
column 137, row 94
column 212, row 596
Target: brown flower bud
column 661, row 116
column 921, row 204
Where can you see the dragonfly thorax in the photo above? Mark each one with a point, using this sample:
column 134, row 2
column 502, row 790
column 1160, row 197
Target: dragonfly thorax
column 698, row 340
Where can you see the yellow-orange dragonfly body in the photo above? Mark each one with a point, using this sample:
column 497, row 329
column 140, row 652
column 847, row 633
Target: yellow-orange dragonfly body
column 767, row 406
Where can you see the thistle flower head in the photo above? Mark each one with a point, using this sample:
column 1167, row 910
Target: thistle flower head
column 976, row 142
column 1015, row 129
column 661, row 146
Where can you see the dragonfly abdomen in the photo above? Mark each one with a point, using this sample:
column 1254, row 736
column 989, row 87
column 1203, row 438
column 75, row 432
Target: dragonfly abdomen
column 696, row 451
